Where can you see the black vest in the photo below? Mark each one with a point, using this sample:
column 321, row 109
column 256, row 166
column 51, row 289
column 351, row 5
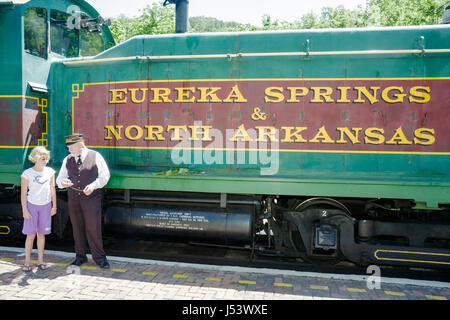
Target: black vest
column 85, row 174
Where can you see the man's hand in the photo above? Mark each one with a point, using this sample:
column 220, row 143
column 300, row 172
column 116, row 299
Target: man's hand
column 88, row 190
column 66, row 183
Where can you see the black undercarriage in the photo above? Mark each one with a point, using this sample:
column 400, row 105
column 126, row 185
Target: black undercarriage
column 318, row 230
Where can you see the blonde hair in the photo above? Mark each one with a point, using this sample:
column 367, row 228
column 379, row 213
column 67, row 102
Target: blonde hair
column 37, row 153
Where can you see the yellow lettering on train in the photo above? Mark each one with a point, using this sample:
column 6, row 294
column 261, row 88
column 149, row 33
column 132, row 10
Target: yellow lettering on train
column 289, row 134
column 203, row 131
column 241, row 134
column 235, row 95
column 398, row 138
column 161, row 95
column 322, row 94
column 418, row 92
column 176, row 132
column 395, row 97
column 322, row 135
column 424, row 136
column 371, row 96
column 352, row 136
column 116, row 133
column 154, row 133
column 134, row 98
column 118, row 96
column 374, row 136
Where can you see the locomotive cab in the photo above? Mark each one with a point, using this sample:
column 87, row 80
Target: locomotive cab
column 36, row 33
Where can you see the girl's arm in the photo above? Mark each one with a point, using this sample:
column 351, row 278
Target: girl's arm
column 53, row 191
column 23, row 197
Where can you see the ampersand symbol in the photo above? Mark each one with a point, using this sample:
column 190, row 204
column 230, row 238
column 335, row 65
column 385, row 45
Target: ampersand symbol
column 258, row 115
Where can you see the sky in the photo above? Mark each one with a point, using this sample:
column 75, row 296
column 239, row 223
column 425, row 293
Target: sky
column 243, row 11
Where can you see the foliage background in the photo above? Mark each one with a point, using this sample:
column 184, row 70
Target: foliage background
column 157, row 19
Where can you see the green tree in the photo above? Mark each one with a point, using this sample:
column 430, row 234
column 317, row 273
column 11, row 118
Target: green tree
column 118, row 30
column 309, row 21
column 155, row 19
column 404, row 12
column 340, row 17
column 206, row 24
column 375, row 13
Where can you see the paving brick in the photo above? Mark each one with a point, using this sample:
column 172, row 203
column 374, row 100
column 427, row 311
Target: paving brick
column 137, row 281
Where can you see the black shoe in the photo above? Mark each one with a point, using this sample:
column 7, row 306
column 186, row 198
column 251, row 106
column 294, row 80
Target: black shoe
column 104, row 264
column 78, row 262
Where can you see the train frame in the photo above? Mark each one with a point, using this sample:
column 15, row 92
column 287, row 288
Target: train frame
column 318, row 144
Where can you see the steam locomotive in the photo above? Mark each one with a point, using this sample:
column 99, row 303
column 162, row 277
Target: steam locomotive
column 324, row 145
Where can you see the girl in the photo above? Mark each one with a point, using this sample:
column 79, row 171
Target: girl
column 38, row 193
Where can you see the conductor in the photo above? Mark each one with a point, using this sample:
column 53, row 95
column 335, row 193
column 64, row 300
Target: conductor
column 84, row 172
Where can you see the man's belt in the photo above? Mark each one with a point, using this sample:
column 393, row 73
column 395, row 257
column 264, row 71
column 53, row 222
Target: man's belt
column 75, row 188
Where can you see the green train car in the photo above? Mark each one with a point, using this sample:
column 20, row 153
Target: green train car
column 325, row 145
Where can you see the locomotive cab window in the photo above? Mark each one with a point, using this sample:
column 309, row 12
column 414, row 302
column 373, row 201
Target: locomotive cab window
column 91, row 43
column 72, row 39
column 35, row 32
column 63, row 37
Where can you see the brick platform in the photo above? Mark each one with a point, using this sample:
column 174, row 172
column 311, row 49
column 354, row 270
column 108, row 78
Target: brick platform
column 156, row 280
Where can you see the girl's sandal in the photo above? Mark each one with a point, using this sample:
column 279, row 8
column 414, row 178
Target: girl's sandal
column 43, row 266
column 27, row 268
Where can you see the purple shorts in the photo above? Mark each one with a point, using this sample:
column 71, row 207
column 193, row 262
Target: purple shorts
column 41, row 221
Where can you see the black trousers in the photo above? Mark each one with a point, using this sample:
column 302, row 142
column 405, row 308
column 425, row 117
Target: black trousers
column 85, row 214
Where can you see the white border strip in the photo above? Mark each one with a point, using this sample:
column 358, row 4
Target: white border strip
column 277, row 272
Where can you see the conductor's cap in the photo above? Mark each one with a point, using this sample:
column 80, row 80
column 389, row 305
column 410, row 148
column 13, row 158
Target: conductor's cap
column 74, row 139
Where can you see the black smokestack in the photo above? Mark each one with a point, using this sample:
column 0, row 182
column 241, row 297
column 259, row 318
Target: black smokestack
column 181, row 14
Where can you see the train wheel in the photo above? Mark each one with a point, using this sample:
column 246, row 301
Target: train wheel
column 302, row 227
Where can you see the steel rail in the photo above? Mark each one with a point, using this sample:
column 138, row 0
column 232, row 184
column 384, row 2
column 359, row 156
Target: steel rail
column 259, row 54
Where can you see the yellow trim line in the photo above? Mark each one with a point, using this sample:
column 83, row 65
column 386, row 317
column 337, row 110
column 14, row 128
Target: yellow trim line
column 412, row 260
column 76, row 89
column 266, row 150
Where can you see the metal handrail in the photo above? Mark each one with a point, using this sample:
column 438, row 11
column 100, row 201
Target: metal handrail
column 260, row 54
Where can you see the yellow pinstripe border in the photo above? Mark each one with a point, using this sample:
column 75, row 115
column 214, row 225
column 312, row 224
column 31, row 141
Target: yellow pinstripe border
column 412, row 260
column 7, row 228
column 76, row 89
column 258, row 79
column 279, row 150
column 41, row 103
